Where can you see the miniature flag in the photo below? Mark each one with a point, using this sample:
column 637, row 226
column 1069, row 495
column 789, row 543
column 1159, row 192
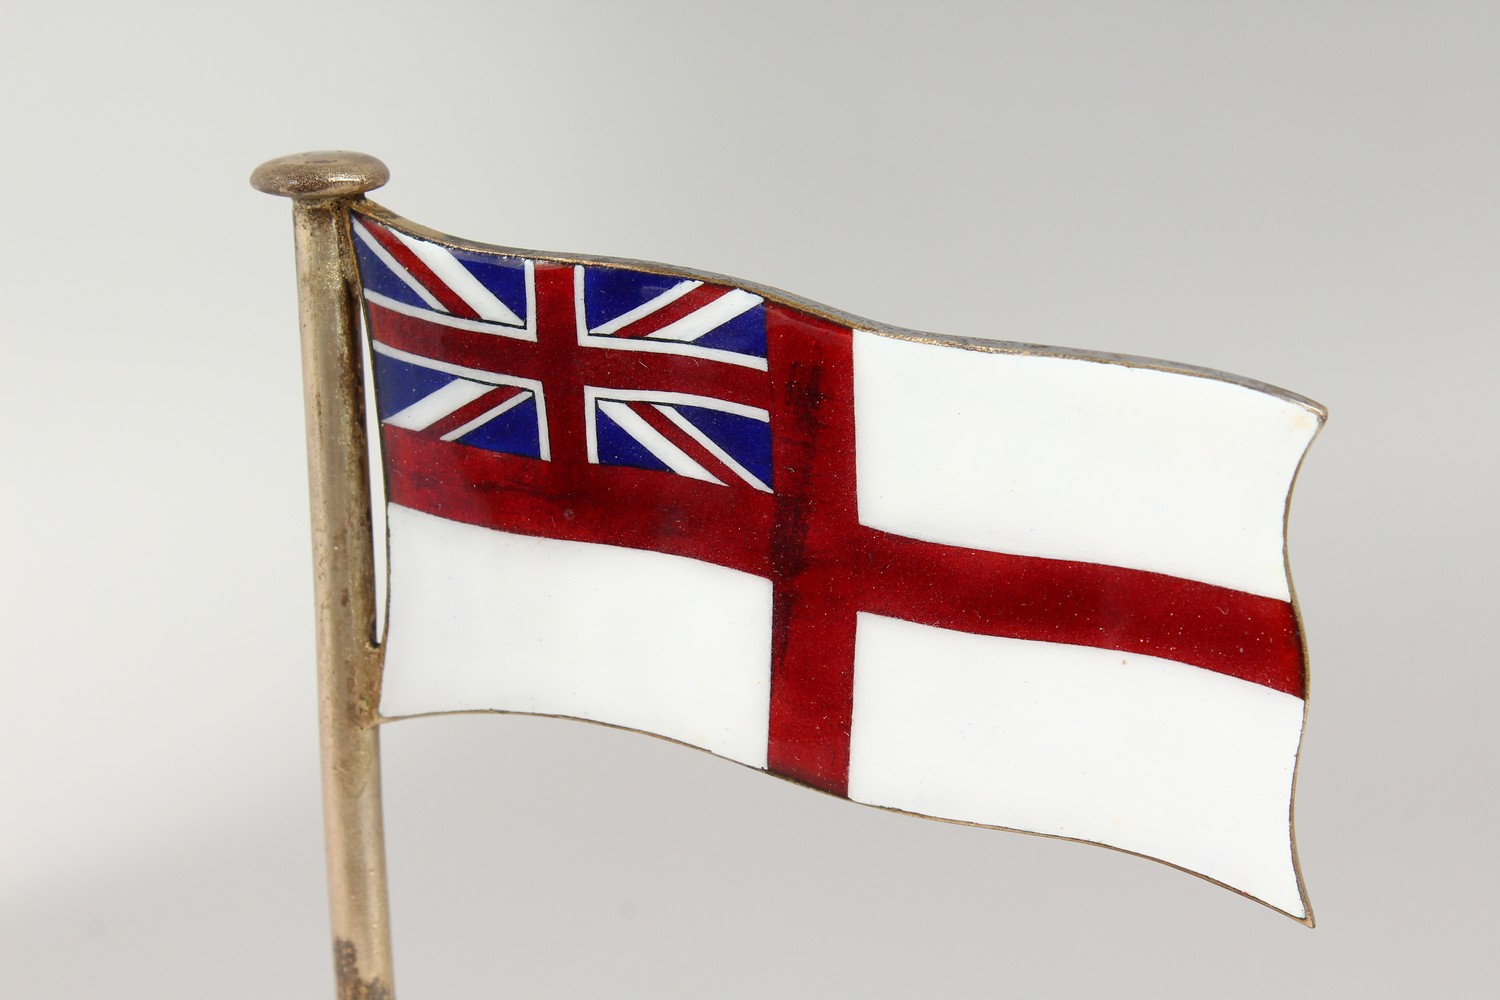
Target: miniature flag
column 1008, row 585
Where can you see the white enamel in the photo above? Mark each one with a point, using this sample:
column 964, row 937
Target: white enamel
column 452, row 272
column 651, row 439
column 647, row 346
column 1144, row 754
column 395, row 267
column 712, row 316
column 678, row 399
column 712, row 447
column 436, row 405
column 666, row 298
column 487, row 416
column 482, row 619
column 1073, row 459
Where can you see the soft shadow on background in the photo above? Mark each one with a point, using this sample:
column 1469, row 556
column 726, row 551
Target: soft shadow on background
column 1304, row 194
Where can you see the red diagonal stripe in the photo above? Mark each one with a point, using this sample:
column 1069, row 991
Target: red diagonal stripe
column 693, row 449
column 469, row 411
column 424, row 274
column 672, row 312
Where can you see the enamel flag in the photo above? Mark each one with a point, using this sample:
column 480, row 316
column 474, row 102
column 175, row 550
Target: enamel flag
column 1002, row 584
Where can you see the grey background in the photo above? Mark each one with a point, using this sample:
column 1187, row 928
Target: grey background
column 1304, row 193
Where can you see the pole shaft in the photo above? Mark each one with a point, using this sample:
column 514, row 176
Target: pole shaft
column 344, row 588
column 322, row 186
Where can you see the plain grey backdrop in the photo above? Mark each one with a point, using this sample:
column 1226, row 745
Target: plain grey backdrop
column 1304, row 193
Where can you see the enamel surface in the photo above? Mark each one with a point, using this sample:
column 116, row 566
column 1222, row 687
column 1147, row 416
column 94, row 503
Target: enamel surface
column 1072, row 459
column 1136, row 752
column 487, row 620
column 1035, row 592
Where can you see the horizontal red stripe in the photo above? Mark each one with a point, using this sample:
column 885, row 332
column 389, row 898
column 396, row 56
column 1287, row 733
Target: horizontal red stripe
column 633, row 508
column 968, row 590
column 596, row 366
column 1082, row 604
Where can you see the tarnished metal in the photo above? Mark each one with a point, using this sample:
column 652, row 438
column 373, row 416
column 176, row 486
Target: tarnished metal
column 352, row 985
column 322, row 185
column 320, row 176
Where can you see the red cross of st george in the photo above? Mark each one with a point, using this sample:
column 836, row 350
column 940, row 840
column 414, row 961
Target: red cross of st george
column 806, row 538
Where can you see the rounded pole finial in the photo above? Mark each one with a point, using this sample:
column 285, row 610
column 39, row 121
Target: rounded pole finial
column 319, row 175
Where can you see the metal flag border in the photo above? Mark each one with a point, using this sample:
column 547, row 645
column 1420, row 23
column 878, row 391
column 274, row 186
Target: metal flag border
column 325, row 188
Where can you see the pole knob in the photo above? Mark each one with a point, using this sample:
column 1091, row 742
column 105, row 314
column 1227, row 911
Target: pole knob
column 320, row 175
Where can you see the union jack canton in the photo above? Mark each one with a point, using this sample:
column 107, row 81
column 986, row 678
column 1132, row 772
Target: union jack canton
column 544, row 380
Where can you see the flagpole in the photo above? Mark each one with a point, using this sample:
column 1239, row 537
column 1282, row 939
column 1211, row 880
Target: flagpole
column 322, row 186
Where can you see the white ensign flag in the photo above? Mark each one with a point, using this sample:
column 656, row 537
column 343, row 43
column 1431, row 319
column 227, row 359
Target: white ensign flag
column 1017, row 587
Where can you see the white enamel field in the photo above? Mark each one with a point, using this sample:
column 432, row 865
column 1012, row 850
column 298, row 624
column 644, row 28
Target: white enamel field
column 482, row 619
column 1074, row 459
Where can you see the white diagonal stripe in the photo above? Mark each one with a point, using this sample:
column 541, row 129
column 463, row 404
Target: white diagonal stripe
column 668, row 347
column 448, row 319
column 457, row 277
column 651, row 439
column 718, row 312
column 667, row 398
column 436, row 405
column 487, row 416
column 666, row 298
column 395, row 267
column 712, row 447
column 473, row 374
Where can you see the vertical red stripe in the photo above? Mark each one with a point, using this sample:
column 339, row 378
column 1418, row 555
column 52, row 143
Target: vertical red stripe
column 558, row 355
column 812, row 627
